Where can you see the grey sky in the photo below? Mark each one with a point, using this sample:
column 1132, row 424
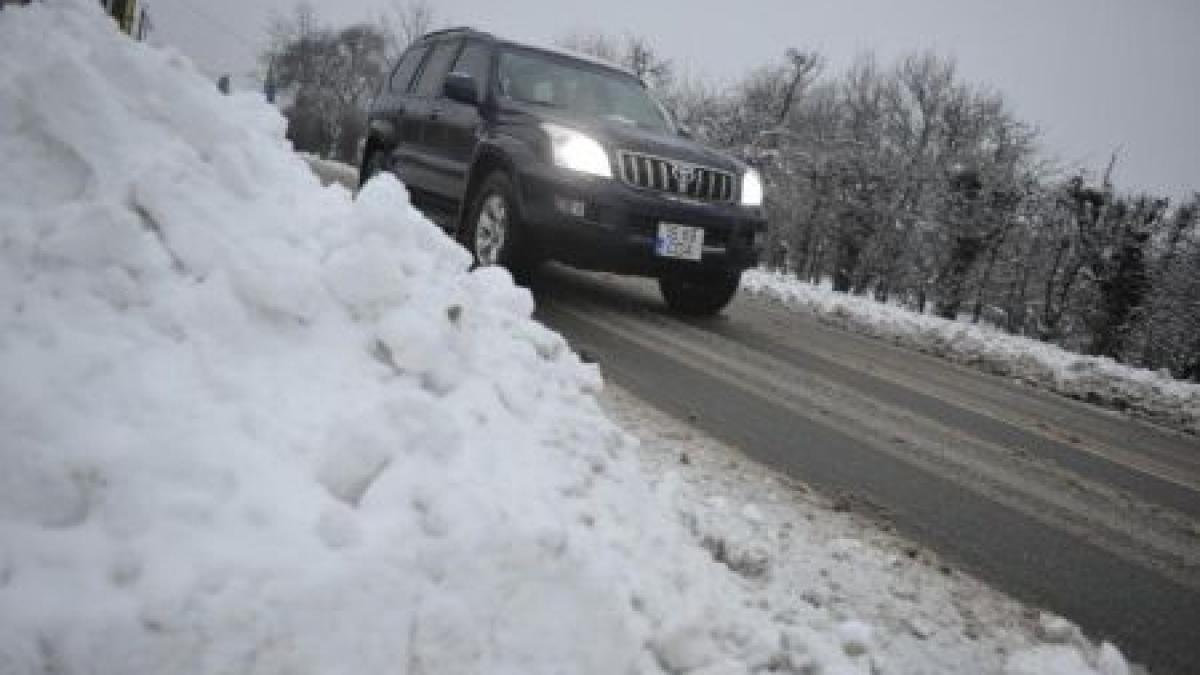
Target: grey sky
column 1095, row 75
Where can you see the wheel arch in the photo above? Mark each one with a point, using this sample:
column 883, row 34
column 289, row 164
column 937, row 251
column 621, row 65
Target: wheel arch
column 489, row 159
column 381, row 134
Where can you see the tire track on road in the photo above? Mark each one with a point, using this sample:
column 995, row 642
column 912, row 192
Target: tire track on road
column 1169, row 455
column 1125, row 569
column 1057, row 498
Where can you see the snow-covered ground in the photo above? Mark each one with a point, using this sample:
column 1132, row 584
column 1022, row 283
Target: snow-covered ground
column 254, row 425
column 1154, row 395
column 808, row 558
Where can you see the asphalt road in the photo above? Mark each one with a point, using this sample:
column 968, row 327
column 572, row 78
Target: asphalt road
column 1082, row 511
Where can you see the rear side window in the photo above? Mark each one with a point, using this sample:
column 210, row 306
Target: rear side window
column 403, row 73
column 475, row 60
column 429, row 83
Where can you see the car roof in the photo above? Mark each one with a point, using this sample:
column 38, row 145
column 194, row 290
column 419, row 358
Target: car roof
column 566, row 52
column 553, row 50
column 454, row 32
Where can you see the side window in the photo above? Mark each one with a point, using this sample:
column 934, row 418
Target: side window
column 475, row 60
column 405, row 69
column 429, row 83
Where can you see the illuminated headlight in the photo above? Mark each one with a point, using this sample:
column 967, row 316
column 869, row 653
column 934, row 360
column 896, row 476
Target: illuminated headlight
column 577, row 151
column 752, row 188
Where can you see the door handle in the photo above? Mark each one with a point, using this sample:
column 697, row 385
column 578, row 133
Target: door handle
column 435, row 113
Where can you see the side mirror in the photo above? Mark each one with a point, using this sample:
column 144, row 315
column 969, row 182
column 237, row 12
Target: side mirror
column 461, row 87
column 684, row 132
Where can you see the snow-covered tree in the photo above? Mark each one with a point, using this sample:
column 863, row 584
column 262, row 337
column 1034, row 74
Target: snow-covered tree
column 329, row 76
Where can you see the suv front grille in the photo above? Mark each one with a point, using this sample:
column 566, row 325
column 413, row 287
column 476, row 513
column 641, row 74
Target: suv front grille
column 665, row 175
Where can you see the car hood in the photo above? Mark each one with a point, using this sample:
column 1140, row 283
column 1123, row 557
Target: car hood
column 616, row 135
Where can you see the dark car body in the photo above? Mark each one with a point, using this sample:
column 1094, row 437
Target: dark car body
column 442, row 123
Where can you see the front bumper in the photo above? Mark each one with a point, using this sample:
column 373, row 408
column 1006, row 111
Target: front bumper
column 604, row 224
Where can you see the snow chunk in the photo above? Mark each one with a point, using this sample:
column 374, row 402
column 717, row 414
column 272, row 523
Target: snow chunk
column 1110, row 661
column 1056, row 659
column 855, row 637
column 684, row 649
column 1055, row 629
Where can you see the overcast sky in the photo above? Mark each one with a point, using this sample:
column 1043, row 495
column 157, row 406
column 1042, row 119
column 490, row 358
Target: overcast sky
column 1094, row 75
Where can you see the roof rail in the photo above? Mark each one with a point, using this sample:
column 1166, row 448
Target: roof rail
column 455, row 29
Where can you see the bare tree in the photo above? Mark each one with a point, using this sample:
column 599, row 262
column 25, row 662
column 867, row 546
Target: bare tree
column 646, row 63
column 912, row 183
column 1170, row 332
column 404, row 22
column 806, row 66
column 329, row 76
column 633, row 52
column 593, row 43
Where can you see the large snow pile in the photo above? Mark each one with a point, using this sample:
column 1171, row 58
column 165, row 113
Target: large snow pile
column 251, row 425
column 1096, row 379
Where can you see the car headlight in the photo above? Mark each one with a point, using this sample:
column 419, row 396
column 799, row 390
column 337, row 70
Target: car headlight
column 577, row 151
column 752, row 188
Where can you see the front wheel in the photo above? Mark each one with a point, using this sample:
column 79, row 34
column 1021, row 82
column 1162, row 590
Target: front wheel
column 493, row 230
column 699, row 293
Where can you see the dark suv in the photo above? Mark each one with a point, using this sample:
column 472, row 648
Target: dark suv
column 529, row 154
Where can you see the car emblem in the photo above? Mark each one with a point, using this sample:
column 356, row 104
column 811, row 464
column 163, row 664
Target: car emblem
column 685, row 174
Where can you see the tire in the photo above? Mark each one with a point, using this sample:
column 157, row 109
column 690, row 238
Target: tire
column 493, row 231
column 699, row 294
column 372, row 165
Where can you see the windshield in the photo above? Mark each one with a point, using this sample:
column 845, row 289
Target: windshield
column 533, row 77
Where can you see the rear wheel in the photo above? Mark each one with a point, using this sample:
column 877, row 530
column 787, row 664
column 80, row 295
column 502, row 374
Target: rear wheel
column 493, row 231
column 699, row 293
column 372, row 165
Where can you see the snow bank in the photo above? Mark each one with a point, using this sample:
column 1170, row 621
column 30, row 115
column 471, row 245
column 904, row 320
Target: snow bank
column 873, row 589
column 251, row 425
column 332, row 171
column 1095, row 379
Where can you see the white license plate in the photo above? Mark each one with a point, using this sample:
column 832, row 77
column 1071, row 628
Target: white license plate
column 679, row 241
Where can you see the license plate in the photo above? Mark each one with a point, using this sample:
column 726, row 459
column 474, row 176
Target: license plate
column 679, row 241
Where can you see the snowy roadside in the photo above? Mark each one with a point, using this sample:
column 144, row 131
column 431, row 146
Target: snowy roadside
column 1149, row 394
column 332, row 171
column 256, row 426
column 814, row 561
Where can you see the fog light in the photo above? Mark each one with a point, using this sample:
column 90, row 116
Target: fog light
column 571, row 207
